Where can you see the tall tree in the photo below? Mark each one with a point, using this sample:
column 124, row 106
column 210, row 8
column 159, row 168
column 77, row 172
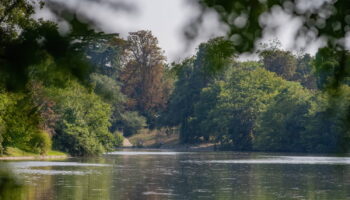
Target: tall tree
column 283, row 63
column 194, row 74
column 143, row 74
column 329, row 68
column 305, row 72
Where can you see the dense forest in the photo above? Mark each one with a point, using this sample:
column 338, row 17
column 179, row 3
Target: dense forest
column 275, row 104
column 83, row 91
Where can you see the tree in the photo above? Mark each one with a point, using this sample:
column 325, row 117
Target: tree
column 21, row 124
column 327, row 20
column 32, row 44
column 200, row 124
column 329, row 68
column 43, row 106
column 245, row 93
column 305, row 72
column 181, row 101
column 283, row 63
column 289, row 66
column 121, row 119
column 105, row 52
column 194, row 74
column 299, row 120
column 82, row 128
column 142, row 76
column 328, row 129
column 282, row 127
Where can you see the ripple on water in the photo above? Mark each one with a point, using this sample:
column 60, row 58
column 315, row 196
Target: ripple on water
column 158, row 193
column 136, row 153
column 26, row 167
column 50, row 172
column 281, row 160
column 27, row 164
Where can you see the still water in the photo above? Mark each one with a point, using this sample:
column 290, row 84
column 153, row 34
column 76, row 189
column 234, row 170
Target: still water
column 186, row 175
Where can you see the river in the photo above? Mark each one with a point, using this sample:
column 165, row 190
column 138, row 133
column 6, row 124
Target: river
column 155, row 174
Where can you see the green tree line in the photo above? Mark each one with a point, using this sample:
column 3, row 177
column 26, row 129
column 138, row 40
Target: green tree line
column 81, row 91
column 277, row 103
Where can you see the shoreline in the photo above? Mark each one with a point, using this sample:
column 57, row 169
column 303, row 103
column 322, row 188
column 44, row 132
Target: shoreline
column 33, row 157
column 160, row 140
column 178, row 147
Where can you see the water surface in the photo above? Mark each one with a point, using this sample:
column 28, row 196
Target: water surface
column 186, row 175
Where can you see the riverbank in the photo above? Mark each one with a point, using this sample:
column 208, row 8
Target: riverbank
column 17, row 154
column 162, row 140
column 33, row 157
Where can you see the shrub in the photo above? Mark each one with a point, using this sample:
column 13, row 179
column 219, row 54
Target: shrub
column 41, row 142
column 118, row 139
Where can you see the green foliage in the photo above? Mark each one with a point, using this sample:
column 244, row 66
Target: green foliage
column 328, row 20
column 83, row 125
column 56, row 153
column 107, row 88
column 193, row 75
column 247, row 107
column 328, row 129
column 289, row 66
column 244, row 94
column 300, row 121
column 331, row 68
column 132, row 122
column 198, row 124
column 215, row 54
column 282, row 127
column 13, row 151
column 283, row 63
column 25, row 51
column 41, row 143
column 4, row 101
column 20, row 125
column 105, row 52
column 181, row 99
column 121, row 119
column 305, row 72
column 118, row 139
column 192, row 79
column 48, row 91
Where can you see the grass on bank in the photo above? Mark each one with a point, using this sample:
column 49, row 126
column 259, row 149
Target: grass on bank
column 155, row 138
column 56, row 153
column 16, row 152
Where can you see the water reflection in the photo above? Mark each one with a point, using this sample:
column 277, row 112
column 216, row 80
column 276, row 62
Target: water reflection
column 183, row 175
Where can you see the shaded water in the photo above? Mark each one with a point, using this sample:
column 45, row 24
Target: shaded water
column 186, row 175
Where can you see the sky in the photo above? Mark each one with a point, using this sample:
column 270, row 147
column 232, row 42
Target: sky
column 165, row 18
column 168, row 18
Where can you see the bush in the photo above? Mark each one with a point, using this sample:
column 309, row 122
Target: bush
column 41, row 143
column 132, row 122
column 118, row 139
column 82, row 129
column 20, row 124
